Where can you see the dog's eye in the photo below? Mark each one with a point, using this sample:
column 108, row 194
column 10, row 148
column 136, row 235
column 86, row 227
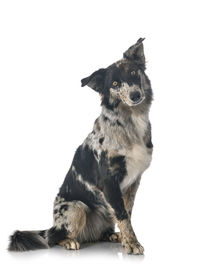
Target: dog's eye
column 133, row 73
column 115, row 83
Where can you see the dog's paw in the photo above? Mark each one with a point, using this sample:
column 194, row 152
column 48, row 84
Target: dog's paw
column 115, row 237
column 70, row 244
column 132, row 246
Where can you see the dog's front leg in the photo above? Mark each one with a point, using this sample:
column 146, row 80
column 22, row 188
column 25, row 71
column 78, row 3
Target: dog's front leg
column 114, row 197
column 129, row 239
column 129, row 196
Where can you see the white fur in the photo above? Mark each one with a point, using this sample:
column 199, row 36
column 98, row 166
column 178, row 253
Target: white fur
column 138, row 158
column 137, row 161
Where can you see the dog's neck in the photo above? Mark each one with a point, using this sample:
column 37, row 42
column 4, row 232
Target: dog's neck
column 125, row 113
column 123, row 126
column 133, row 122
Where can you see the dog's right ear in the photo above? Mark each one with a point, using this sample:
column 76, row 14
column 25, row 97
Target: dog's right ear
column 95, row 80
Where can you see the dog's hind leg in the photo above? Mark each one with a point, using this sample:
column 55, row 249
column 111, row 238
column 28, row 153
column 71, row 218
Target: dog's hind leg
column 70, row 219
column 70, row 244
column 111, row 236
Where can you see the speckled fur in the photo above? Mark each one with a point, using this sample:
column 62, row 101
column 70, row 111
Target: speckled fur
column 100, row 186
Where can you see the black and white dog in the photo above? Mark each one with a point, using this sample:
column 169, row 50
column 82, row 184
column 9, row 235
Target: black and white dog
column 100, row 186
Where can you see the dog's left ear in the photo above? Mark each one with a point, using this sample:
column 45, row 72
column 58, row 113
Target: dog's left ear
column 136, row 53
column 95, row 80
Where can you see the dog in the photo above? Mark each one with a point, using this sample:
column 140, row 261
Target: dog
column 100, row 187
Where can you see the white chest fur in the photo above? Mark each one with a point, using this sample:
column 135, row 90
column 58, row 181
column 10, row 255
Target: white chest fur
column 137, row 161
column 138, row 158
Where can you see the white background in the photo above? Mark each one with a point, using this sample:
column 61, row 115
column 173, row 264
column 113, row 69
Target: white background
column 46, row 47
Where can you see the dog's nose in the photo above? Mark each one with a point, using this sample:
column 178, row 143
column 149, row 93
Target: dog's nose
column 135, row 96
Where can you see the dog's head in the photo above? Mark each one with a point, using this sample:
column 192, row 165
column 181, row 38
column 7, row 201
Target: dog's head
column 124, row 81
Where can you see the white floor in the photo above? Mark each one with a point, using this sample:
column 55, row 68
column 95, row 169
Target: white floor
column 46, row 47
column 103, row 257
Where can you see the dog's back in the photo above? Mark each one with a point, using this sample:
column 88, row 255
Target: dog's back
column 101, row 184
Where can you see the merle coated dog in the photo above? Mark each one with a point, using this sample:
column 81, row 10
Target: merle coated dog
column 100, row 186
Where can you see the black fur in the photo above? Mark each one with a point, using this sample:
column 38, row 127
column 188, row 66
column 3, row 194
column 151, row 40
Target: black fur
column 56, row 235
column 119, row 124
column 97, row 172
column 113, row 195
column 101, row 81
column 85, row 164
column 27, row 240
column 95, row 81
column 105, row 236
column 101, row 140
column 149, row 144
column 72, row 189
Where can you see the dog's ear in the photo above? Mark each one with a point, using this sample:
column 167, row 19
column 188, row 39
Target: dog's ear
column 136, row 53
column 95, row 80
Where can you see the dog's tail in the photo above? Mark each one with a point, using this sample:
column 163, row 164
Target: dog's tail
column 31, row 240
column 28, row 240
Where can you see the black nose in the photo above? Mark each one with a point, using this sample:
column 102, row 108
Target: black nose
column 135, row 96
